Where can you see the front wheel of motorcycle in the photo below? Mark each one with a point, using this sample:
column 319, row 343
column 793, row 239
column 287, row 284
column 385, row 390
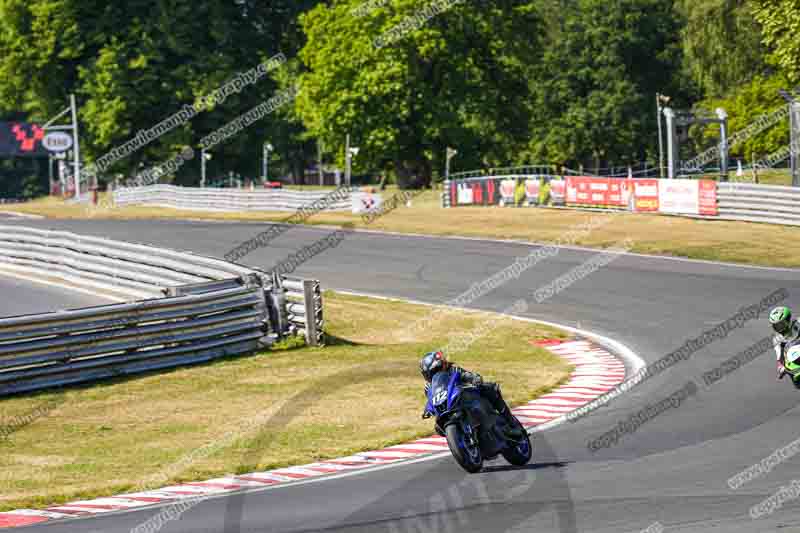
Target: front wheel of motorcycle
column 520, row 454
column 468, row 456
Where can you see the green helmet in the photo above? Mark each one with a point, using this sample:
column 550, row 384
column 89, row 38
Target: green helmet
column 781, row 320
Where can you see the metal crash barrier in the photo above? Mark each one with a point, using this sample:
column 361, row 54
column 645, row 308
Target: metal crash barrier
column 187, row 309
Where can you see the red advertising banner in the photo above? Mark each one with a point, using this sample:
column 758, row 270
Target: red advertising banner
column 558, row 191
column 645, row 195
column 579, row 191
column 708, row 198
column 491, row 192
column 507, row 191
column 618, row 192
column 532, row 191
column 678, row 197
column 477, row 193
column 597, row 192
column 687, row 197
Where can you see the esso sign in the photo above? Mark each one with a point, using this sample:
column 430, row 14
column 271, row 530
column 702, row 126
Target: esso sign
column 57, row 141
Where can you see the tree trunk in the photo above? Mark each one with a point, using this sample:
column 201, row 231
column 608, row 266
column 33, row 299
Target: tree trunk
column 415, row 174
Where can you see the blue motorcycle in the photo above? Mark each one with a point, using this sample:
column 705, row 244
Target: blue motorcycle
column 474, row 430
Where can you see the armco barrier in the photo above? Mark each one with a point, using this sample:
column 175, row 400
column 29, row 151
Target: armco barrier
column 38, row 351
column 304, row 308
column 116, row 268
column 759, row 203
column 197, row 309
column 226, row 199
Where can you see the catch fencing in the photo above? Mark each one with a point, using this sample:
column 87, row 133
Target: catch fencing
column 227, row 199
column 195, row 309
column 684, row 197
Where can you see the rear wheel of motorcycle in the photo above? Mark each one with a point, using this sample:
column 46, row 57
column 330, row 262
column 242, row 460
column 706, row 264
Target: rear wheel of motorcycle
column 521, row 454
column 468, row 457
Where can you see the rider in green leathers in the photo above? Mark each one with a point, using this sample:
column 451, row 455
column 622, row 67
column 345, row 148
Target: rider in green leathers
column 787, row 331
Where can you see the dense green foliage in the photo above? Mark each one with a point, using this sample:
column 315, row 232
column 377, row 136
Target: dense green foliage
column 566, row 82
column 721, row 44
column 454, row 82
column 132, row 64
column 780, row 20
column 744, row 105
column 592, row 95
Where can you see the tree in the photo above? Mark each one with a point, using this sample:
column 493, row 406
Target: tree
column 780, row 20
column 133, row 64
column 592, row 94
column 745, row 104
column 458, row 80
column 721, row 44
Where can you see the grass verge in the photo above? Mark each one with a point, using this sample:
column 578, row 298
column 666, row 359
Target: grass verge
column 775, row 177
column 287, row 406
column 737, row 242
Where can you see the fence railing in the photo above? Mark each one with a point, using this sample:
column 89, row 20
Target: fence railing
column 506, row 171
column 197, row 308
column 759, row 203
column 225, row 199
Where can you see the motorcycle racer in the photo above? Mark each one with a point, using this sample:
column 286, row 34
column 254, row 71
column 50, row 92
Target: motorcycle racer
column 787, row 331
column 433, row 362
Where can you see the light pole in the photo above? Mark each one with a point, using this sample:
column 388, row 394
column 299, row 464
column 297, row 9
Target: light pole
column 204, row 156
column 351, row 151
column 794, row 145
column 265, row 154
column 319, row 163
column 659, row 99
column 723, row 143
column 451, row 153
column 794, row 133
column 672, row 143
column 75, row 152
column 50, row 172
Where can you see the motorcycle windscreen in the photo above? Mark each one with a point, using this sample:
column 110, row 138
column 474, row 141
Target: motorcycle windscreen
column 793, row 357
column 438, row 391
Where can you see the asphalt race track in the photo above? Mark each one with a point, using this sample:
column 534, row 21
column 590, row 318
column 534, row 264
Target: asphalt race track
column 19, row 297
column 673, row 470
